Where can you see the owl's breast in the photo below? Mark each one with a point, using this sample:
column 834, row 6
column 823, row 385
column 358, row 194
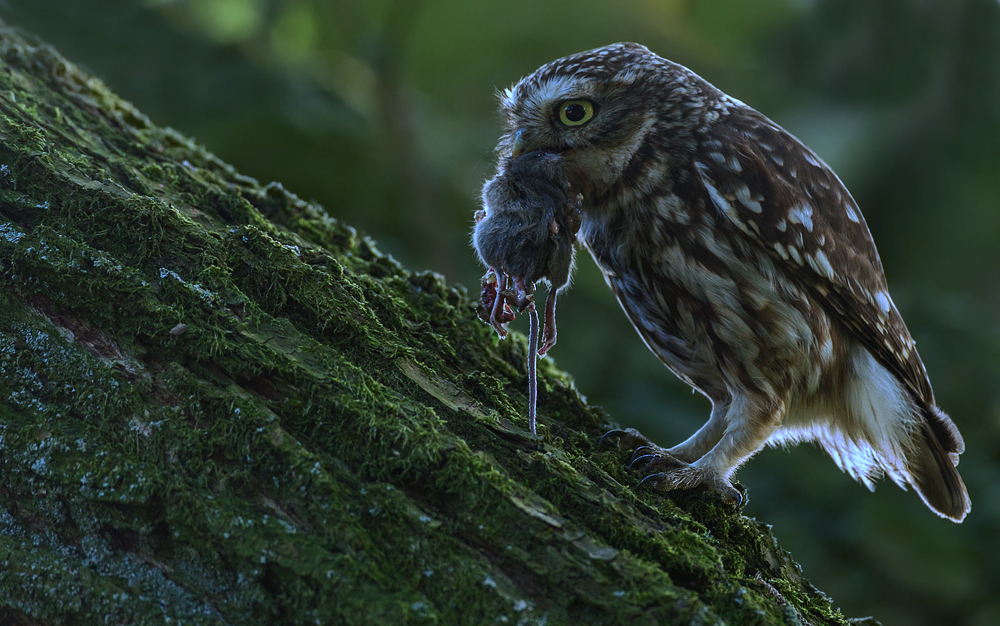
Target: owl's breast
column 711, row 307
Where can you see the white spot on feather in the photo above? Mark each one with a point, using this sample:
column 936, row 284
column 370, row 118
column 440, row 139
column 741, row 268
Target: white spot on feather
column 628, row 76
column 801, row 214
column 883, row 302
column 907, row 345
column 743, row 195
column 824, row 265
column 821, row 264
column 794, row 252
column 717, row 198
column 851, row 214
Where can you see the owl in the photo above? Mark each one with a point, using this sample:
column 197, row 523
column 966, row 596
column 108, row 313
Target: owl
column 746, row 267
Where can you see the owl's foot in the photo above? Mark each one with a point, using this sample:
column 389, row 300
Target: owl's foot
column 676, row 474
column 670, row 472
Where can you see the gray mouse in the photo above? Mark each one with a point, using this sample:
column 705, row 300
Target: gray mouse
column 526, row 232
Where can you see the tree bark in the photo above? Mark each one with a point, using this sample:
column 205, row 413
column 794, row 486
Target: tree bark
column 218, row 404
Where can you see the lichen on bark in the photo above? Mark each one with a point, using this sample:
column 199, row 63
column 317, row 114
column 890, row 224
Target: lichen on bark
column 218, row 404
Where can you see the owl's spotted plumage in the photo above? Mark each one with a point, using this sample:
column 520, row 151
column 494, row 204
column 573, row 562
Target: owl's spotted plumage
column 746, row 267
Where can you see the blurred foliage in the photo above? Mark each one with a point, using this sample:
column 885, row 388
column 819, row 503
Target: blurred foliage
column 384, row 111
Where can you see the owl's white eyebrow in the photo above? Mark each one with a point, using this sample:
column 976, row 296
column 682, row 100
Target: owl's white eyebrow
column 554, row 89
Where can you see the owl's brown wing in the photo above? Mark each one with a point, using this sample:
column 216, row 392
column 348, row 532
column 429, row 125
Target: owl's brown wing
column 782, row 196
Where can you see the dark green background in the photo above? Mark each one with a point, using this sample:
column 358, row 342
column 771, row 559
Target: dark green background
column 385, row 113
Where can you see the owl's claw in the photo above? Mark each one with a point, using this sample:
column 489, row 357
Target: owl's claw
column 640, row 460
column 629, row 438
column 670, row 480
column 614, row 432
column 670, row 472
column 731, row 495
column 652, row 477
column 638, row 454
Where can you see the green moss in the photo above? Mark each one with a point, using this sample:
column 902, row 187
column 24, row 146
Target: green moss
column 219, row 404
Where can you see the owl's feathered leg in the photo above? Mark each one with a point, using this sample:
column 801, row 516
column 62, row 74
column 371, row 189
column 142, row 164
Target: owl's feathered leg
column 743, row 427
column 695, row 447
column 698, row 444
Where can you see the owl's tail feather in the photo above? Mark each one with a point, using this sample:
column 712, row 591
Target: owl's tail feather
column 931, row 466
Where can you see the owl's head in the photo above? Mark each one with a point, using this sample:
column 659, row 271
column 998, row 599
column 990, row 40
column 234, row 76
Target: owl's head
column 601, row 109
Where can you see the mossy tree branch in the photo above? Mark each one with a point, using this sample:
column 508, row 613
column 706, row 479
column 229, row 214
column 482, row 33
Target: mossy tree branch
column 220, row 405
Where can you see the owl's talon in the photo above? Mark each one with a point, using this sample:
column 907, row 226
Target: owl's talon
column 641, row 460
column 658, row 477
column 730, row 495
column 634, row 440
column 614, row 432
column 679, row 476
column 638, row 453
column 669, row 472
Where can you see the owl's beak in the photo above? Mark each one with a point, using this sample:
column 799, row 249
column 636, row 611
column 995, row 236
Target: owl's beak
column 517, row 149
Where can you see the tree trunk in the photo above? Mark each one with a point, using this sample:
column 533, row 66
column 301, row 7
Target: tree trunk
column 220, row 405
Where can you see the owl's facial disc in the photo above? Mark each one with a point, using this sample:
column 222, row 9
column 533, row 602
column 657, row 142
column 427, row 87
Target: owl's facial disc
column 594, row 124
column 594, row 153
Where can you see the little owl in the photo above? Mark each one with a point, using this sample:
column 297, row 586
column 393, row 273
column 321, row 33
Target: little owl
column 745, row 266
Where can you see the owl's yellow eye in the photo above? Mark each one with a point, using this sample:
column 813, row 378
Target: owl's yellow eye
column 576, row 112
